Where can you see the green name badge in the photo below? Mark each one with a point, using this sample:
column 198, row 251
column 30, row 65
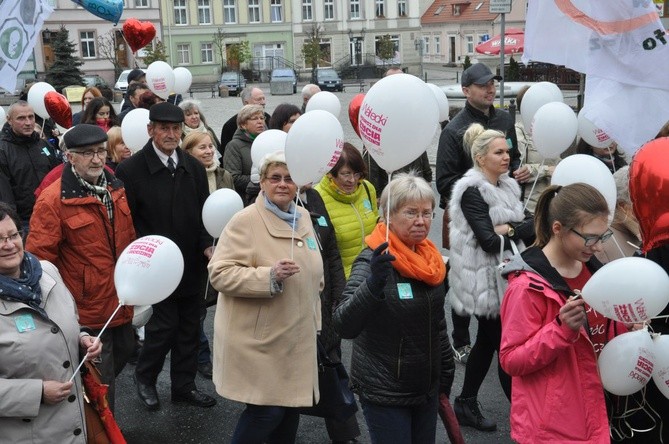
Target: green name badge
column 311, row 243
column 322, row 221
column 404, row 290
column 24, row 323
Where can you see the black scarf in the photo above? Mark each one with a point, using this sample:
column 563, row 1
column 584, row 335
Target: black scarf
column 26, row 287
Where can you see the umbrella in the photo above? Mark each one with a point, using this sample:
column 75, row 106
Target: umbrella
column 514, row 42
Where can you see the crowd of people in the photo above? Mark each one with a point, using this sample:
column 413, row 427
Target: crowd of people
column 299, row 269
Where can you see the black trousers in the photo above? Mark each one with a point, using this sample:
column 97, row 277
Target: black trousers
column 174, row 327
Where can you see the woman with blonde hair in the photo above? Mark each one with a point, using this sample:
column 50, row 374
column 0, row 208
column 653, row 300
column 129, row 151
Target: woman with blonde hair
column 201, row 146
column 116, row 147
column 486, row 214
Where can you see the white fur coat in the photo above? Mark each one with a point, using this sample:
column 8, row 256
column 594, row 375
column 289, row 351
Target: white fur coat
column 472, row 276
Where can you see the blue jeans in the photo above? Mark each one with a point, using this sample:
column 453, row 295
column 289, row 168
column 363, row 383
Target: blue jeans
column 266, row 424
column 402, row 425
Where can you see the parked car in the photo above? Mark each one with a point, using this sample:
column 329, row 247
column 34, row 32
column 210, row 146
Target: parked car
column 328, row 79
column 122, row 82
column 235, row 82
column 101, row 84
column 284, row 75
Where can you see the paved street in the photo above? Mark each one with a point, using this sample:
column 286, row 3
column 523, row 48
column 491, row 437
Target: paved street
column 183, row 424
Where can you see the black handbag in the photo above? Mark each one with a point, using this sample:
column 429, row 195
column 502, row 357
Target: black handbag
column 337, row 400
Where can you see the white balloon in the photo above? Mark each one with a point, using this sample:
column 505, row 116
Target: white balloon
column 133, row 129
column 626, row 362
column 219, row 208
column 160, row 78
column 442, row 101
column 36, row 95
column 535, row 97
column 313, row 146
column 269, row 141
column 611, row 292
column 148, row 271
column 553, row 129
column 326, row 101
column 141, row 315
column 587, row 169
column 3, row 116
column 182, row 80
column 397, row 119
column 661, row 371
column 591, row 134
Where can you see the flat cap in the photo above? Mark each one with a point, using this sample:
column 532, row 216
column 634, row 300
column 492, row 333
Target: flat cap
column 83, row 135
column 135, row 75
column 166, row 112
column 479, row 74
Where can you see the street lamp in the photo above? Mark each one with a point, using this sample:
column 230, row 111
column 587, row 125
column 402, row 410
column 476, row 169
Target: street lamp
column 419, row 43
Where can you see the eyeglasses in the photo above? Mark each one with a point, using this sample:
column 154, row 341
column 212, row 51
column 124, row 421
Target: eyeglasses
column 102, row 154
column 348, row 176
column 11, row 238
column 593, row 239
column 412, row 215
column 277, row 179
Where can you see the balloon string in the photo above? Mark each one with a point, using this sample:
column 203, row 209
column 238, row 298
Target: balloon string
column 97, row 341
column 534, row 184
column 615, row 241
column 390, row 175
column 292, row 233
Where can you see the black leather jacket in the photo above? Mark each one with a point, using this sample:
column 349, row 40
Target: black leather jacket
column 401, row 352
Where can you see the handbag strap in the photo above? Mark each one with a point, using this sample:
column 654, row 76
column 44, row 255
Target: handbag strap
column 514, row 247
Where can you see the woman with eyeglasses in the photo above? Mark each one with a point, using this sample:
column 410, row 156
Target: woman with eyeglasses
column 550, row 337
column 351, row 203
column 40, row 343
column 268, row 270
column 393, row 309
column 485, row 210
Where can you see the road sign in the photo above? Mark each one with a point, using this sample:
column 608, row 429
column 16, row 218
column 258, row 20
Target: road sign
column 500, row 6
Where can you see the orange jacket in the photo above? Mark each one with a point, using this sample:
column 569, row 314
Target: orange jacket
column 72, row 230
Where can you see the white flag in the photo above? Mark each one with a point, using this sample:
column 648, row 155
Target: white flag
column 20, row 25
column 622, row 47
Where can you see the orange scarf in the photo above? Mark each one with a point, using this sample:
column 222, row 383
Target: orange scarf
column 425, row 264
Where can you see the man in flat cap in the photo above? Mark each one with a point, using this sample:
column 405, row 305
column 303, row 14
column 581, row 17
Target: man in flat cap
column 166, row 190
column 81, row 224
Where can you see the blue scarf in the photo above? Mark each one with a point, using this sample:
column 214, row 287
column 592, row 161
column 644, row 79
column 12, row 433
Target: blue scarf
column 25, row 288
column 289, row 217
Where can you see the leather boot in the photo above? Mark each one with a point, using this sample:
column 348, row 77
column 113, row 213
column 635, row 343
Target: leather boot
column 468, row 412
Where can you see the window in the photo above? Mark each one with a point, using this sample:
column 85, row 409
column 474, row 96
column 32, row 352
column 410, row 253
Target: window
column 183, row 54
column 141, row 3
column 230, row 11
column 276, row 11
column 87, row 44
column 437, row 45
column 469, row 39
column 328, row 6
column 402, row 8
column 207, row 52
column 380, row 8
column 426, row 45
column 355, row 9
column 254, row 11
column 307, row 10
column 204, row 12
column 456, row 9
column 180, row 15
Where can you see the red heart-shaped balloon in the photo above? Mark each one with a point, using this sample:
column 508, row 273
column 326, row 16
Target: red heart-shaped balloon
column 649, row 192
column 58, row 108
column 354, row 110
column 138, row 34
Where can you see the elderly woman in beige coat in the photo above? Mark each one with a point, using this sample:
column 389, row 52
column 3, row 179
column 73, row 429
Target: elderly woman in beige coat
column 268, row 270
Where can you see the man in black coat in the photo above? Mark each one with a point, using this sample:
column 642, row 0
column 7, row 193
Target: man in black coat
column 166, row 189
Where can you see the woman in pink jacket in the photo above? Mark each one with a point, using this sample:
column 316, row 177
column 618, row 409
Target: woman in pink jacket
column 550, row 337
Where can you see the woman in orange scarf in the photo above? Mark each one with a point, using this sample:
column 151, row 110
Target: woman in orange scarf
column 393, row 309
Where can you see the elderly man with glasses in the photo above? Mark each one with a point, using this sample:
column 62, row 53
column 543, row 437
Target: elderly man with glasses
column 81, row 223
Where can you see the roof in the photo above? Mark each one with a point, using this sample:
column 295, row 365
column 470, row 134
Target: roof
column 441, row 11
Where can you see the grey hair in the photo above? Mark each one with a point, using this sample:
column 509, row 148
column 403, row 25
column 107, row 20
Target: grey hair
column 622, row 179
column 403, row 189
column 277, row 158
column 18, row 104
column 247, row 112
column 309, row 90
column 189, row 105
column 477, row 139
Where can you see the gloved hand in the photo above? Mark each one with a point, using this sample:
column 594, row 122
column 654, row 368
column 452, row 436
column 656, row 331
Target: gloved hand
column 381, row 267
